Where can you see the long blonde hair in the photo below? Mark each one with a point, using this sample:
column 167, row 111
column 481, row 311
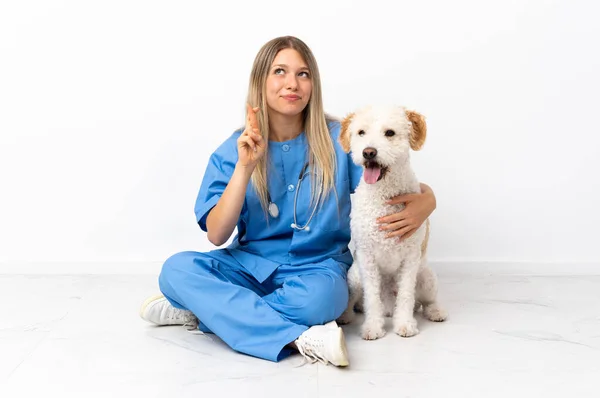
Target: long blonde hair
column 322, row 158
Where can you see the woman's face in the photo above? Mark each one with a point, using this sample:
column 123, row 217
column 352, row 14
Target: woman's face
column 289, row 84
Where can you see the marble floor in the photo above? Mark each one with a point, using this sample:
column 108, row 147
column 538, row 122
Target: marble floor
column 507, row 336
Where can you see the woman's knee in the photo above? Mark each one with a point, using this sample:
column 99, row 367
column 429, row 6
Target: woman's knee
column 325, row 301
column 176, row 267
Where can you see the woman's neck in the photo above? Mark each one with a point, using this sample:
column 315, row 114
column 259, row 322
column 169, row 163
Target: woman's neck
column 284, row 128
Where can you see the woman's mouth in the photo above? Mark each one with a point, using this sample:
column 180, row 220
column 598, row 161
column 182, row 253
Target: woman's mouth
column 291, row 97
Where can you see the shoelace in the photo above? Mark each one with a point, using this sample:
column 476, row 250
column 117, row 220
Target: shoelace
column 191, row 322
column 189, row 319
column 191, row 326
column 309, row 351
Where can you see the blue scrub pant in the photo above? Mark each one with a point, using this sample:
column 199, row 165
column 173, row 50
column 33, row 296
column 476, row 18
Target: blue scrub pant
column 258, row 319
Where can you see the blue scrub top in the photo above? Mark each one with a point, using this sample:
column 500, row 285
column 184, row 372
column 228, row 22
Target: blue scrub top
column 263, row 245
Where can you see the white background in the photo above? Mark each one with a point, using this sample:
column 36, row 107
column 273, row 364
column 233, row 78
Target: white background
column 109, row 111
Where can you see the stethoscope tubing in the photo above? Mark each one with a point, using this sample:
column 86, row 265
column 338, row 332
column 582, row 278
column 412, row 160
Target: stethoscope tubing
column 274, row 210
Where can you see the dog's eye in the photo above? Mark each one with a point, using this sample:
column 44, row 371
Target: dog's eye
column 390, row 133
column 361, row 133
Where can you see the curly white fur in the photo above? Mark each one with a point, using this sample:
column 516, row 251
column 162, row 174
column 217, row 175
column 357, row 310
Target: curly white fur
column 388, row 277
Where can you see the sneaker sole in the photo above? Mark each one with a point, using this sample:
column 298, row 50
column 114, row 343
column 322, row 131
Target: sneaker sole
column 147, row 302
column 341, row 342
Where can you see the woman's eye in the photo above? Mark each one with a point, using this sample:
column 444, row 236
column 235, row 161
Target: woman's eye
column 390, row 133
column 278, row 71
column 305, row 74
column 361, row 133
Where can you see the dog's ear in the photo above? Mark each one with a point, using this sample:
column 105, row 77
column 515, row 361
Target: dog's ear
column 419, row 130
column 344, row 138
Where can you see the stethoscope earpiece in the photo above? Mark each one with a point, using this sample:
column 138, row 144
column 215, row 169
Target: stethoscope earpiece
column 296, row 227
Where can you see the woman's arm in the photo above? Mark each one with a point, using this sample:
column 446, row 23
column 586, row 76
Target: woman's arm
column 428, row 192
column 418, row 208
column 223, row 218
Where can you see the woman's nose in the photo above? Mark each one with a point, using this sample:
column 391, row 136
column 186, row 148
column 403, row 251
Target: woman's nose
column 291, row 82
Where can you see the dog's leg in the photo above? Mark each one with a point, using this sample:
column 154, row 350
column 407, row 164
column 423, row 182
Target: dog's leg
column 389, row 287
column 355, row 293
column 427, row 294
column 374, row 324
column 417, row 303
column 405, row 323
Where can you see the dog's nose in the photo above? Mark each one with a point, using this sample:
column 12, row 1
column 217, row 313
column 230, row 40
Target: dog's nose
column 369, row 153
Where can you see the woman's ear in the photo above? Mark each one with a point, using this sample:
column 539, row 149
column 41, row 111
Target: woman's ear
column 419, row 130
column 344, row 138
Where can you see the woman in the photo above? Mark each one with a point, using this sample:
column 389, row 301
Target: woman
column 285, row 183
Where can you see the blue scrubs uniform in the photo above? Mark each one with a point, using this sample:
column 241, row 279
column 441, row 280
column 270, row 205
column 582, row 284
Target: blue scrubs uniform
column 273, row 282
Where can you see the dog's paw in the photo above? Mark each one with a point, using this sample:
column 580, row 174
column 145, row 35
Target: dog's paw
column 406, row 328
column 346, row 318
column 372, row 331
column 435, row 313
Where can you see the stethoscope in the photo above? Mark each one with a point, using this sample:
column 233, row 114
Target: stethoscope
column 274, row 210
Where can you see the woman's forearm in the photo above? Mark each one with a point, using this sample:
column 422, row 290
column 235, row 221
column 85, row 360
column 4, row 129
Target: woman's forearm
column 222, row 219
column 426, row 189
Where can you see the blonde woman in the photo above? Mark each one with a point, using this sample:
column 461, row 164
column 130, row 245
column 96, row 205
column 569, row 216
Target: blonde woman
column 285, row 183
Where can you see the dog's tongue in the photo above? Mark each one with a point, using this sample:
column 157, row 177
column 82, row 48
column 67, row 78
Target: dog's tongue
column 371, row 174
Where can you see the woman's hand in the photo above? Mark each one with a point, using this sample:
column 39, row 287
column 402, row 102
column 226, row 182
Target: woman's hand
column 251, row 145
column 418, row 208
column 223, row 218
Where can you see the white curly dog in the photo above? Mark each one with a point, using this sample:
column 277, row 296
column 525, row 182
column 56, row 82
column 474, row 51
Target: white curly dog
column 388, row 277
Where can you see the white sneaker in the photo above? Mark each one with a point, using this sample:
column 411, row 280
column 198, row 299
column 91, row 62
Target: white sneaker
column 159, row 311
column 324, row 343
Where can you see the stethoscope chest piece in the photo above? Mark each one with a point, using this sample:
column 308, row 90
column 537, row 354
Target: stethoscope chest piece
column 273, row 210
